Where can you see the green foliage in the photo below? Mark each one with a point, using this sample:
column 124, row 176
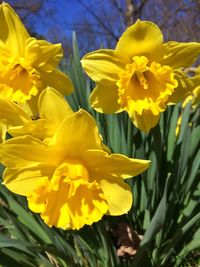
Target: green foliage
column 166, row 208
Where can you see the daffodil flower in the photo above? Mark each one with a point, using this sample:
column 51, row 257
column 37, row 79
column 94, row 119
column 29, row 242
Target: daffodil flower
column 27, row 65
column 193, row 95
column 17, row 120
column 141, row 76
column 71, row 181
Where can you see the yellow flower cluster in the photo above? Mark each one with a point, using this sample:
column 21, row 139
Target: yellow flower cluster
column 56, row 157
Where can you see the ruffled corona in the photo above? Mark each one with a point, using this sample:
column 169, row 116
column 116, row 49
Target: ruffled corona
column 69, row 199
column 144, row 86
column 18, row 80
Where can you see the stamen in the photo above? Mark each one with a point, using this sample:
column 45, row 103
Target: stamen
column 142, row 80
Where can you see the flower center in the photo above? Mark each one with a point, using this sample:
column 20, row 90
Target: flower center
column 145, row 86
column 18, row 81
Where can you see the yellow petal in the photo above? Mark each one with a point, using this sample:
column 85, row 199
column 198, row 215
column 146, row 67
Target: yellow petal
column 31, row 106
column 146, row 121
column 42, row 54
column 57, row 80
column 26, row 107
column 103, row 65
column 24, row 181
column 12, row 113
column 13, row 33
column 194, row 93
column 116, row 165
column 108, row 171
column 178, row 55
column 40, row 129
column 141, row 38
column 37, row 199
column 3, row 129
column 53, row 107
column 21, row 151
column 185, row 85
column 117, row 193
column 77, row 133
column 104, row 99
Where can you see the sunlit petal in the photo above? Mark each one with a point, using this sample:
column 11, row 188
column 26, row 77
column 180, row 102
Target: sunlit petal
column 40, row 129
column 104, row 99
column 25, row 180
column 53, row 107
column 117, row 193
column 21, row 151
column 103, row 66
column 12, row 113
column 78, row 133
column 57, row 80
column 13, row 32
column 111, row 165
column 50, row 54
column 145, row 121
column 180, row 55
column 3, row 129
column 141, row 38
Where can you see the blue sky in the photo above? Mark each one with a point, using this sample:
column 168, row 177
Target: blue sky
column 54, row 13
column 179, row 20
column 65, row 12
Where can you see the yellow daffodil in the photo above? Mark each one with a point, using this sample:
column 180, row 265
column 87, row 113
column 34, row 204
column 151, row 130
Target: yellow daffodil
column 141, row 76
column 193, row 95
column 27, row 65
column 71, row 181
column 52, row 107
